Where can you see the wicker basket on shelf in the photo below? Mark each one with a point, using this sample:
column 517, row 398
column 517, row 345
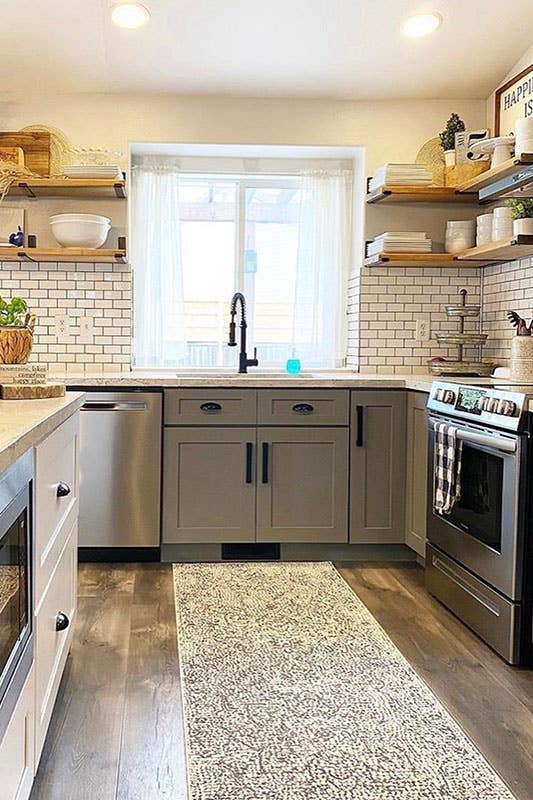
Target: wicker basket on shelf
column 16, row 341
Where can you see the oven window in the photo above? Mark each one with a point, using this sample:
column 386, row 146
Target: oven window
column 479, row 511
column 13, row 588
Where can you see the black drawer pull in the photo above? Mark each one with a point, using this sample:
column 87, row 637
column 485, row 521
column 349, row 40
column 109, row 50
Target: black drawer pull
column 303, row 408
column 249, row 452
column 210, row 408
column 360, row 424
column 63, row 489
column 264, row 477
column 62, row 622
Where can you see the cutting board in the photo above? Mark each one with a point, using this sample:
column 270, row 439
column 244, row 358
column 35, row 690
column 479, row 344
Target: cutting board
column 37, row 391
column 36, row 148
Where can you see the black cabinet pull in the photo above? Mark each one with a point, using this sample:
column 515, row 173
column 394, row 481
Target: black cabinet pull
column 249, row 452
column 264, row 477
column 63, row 489
column 210, row 408
column 360, row 425
column 303, row 408
column 62, row 622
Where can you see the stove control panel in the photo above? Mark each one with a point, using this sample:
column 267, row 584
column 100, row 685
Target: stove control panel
column 486, row 404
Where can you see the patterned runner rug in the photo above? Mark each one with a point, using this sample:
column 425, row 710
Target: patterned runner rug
column 293, row 691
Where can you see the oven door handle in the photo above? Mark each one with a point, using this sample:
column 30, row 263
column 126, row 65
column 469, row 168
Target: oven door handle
column 494, row 442
column 506, row 445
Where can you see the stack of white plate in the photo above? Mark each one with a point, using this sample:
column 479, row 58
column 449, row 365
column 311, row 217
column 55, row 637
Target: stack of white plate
column 400, row 175
column 484, row 229
column 400, row 242
column 105, row 171
column 80, row 230
column 502, row 223
column 460, row 235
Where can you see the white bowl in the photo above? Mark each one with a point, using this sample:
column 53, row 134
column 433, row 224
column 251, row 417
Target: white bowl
column 79, row 217
column 80, row 232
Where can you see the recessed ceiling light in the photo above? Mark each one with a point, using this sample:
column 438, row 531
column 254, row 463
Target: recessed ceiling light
column 129, row 14
column 422, row 24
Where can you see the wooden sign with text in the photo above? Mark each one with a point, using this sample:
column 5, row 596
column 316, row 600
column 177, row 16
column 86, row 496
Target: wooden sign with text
column 513, row 100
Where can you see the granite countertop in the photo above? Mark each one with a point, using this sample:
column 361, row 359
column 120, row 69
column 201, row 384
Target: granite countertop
column 25, row 423
column 338, row 379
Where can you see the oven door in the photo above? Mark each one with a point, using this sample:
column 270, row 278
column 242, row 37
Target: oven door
column 484, row 531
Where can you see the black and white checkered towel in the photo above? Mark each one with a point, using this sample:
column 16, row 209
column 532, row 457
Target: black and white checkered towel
column 448, row 451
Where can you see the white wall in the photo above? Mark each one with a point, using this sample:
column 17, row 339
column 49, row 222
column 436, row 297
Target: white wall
column 388, row 130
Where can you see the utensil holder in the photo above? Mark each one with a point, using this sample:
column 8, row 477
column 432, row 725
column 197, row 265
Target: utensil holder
column 521, row 365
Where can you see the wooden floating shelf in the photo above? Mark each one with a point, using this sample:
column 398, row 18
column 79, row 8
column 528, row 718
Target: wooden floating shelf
column 70, row 254
column 415, row 260
column 495, row 252
column 484, row 255
column 504, row 170
column 419, row 194
column 70, row 187
column 426, row 260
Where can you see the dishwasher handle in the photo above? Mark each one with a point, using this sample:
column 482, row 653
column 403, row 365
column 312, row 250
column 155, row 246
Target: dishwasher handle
column 104, row 405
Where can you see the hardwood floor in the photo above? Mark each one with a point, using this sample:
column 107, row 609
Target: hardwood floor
column 116, row 732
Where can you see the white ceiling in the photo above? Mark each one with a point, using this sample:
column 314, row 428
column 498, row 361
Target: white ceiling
column 308, row 48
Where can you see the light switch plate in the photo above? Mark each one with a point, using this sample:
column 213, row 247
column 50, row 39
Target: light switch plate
column 61, row 326
column 422, row 330
column 86, row 330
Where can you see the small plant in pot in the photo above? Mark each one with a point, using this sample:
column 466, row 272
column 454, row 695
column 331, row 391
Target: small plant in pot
column 522, row 213
column 447, row 138
column 16, row 331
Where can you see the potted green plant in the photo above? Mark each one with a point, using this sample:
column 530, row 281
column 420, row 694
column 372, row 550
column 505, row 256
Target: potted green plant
column 522, row 213
column 16, row 331
column 447, row 138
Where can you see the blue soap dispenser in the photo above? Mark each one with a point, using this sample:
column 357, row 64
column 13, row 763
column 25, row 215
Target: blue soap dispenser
column 293, row 365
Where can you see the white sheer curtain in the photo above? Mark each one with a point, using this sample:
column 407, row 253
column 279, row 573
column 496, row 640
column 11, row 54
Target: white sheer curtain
column 324, row 249
column 159, row 314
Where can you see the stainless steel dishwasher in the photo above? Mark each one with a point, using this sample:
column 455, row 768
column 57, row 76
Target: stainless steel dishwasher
column 120, row 475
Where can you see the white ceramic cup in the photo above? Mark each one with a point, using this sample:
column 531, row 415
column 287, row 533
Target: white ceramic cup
column 502, row 212
column 524, row 135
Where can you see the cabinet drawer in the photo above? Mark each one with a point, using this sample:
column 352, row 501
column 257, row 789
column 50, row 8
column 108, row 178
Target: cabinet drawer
column 301, row 407
column 210, row 407
column 52, row 645
column 56, row 497
column 17, row 746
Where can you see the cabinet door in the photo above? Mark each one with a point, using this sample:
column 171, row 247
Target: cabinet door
column 417, row 455
column 209, row 485
column 54, row 628
column 17, row 747
column 377, row 474
column 302, row 485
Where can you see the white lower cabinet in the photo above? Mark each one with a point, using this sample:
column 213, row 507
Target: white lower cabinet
column 54, row 625
column 17, row 754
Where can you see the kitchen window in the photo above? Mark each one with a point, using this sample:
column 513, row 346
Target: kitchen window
column 279, row 231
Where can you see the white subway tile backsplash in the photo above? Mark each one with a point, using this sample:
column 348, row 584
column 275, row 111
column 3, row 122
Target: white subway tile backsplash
column 102, row 291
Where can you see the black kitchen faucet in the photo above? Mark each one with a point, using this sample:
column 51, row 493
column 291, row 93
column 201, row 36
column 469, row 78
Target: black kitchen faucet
column 244, row 361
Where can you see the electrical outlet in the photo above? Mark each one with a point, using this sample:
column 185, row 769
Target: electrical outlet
column 422, row 330
column 62, row 326
column 86, row 330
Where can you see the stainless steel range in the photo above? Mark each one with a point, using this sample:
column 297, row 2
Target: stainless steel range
column 480, row 555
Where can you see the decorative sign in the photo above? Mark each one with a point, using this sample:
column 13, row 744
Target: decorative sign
column 513, row 100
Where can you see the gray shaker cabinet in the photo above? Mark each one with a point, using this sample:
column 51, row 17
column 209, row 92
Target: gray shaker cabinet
column 302, row 484
column 377, row 466
column 209, row 485
column 417, row 454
